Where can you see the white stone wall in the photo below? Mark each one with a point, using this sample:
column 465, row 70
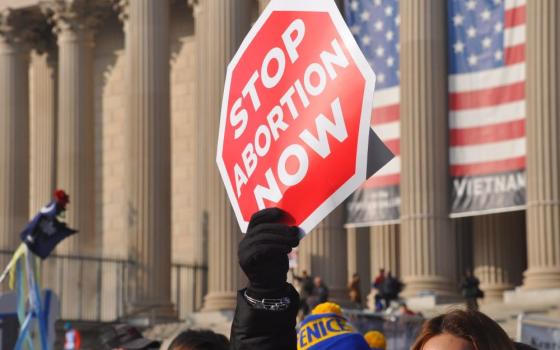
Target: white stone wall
column 110, row 112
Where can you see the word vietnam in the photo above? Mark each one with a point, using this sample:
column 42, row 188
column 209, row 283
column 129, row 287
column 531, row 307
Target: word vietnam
column 296, row 97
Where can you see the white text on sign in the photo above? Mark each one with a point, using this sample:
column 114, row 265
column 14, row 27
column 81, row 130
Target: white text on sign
column 313, row 83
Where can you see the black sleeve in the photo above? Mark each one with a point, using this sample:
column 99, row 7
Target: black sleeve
column 254, row 329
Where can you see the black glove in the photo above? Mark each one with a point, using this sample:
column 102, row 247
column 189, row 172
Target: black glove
column 263, row 253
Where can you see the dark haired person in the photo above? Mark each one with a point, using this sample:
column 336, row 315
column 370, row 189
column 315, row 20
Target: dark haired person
column 199, row 340
column 463, row 330
column 470, row 289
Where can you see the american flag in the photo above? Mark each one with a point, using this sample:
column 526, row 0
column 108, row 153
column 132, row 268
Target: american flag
column 375, row 25
column 486, row 86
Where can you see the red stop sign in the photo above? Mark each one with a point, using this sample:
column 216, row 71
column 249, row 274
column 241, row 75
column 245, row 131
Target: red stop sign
column 295, row 114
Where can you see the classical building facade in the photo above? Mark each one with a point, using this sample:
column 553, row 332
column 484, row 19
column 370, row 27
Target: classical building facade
column 118, row 103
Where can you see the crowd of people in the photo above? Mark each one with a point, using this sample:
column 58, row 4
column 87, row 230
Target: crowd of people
column 267, row 309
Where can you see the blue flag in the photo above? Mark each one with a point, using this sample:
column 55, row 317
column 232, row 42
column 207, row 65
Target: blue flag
column 45, row 231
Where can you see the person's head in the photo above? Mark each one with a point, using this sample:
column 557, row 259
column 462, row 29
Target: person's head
column 468, row 273
column 382, row 272
column 67, row 326
column 304, row 273
column 125, row 337
column 199, row 340
column 318, row 282
column 356, row 277
column 389, row 274
column 462, row 330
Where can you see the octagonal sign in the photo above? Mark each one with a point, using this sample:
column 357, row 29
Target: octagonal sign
column 295, row 114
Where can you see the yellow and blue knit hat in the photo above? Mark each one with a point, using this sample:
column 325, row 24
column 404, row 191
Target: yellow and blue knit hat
column 327, row 329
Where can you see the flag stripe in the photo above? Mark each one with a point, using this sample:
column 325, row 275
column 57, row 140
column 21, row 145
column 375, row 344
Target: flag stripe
column 386, row 114
column 487, row 152
column 514, row 36
column 488, row 133
column 388, row 131
column 509, row 4
column 386, row 97
column 469, row 118
column 382, row 181
column 515, row 16
column 487, row 97
column 485, row 168
column 482, row 80
column 515, row 54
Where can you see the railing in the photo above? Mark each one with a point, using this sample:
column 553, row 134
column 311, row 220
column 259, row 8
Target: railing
column 99, row 289
column 189, row 284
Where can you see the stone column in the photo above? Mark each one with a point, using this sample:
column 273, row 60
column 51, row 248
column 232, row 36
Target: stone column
column 384, row 249
column 43, row 113
column 498, row 252
column 148, row 192
column 201, row 156
column 464, row 247
column 14, row 138
column 220, row 26
column 384, row 254
column 427, row 241
column 74, row 23
column 543, row 143
column 323, row 253
column 359, row 257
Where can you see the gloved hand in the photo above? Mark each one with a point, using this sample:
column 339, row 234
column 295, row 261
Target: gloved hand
column 263, row 252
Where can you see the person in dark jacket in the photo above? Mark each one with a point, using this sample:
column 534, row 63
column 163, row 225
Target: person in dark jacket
column 265, row 317
column 471, row 290
column 390, row 289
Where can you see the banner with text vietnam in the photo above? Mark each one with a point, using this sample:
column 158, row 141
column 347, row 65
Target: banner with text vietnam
column 486, row 49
